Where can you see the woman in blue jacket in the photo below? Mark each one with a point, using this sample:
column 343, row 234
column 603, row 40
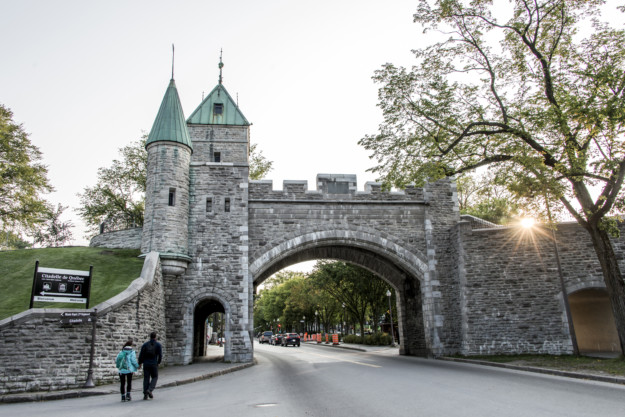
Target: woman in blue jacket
column 127, row 364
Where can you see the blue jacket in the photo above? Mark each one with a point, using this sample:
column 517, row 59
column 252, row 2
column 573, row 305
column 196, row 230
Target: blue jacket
column 146, row 358
column 128, row 359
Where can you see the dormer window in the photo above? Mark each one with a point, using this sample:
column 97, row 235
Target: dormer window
column 218, row 108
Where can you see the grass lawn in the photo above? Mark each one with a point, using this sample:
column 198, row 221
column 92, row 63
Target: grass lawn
column 113, row 271
column 583, row 364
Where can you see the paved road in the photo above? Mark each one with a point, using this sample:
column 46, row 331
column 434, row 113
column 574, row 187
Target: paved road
column 318, row 381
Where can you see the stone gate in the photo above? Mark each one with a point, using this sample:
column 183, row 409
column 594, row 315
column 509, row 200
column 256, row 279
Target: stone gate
column 219, row 235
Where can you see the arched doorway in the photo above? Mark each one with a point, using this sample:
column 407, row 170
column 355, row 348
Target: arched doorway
column 402, row 276
column 203, row 310
column 591, row 311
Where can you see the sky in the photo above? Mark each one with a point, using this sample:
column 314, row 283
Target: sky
column 86, row 78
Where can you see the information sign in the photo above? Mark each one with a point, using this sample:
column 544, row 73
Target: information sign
column 73, row 317
column 61, row 285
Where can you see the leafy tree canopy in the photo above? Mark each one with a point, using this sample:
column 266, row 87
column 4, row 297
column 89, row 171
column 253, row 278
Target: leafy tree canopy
column 531, row 97
column 118, row 198
column 23, row 178
column 259, row 165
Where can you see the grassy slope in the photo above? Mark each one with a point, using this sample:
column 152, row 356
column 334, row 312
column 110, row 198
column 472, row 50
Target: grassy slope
column 113, row 271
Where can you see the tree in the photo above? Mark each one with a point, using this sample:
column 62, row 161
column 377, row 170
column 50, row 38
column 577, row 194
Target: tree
column 259, row 165
column 53, row 232
column 118, row 198
column 481, row 196
column 544, row 110
column 23, row 178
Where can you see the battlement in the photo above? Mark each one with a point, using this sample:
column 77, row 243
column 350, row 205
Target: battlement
column 331, row 187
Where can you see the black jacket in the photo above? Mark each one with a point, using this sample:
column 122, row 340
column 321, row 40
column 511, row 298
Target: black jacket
column 151, row 359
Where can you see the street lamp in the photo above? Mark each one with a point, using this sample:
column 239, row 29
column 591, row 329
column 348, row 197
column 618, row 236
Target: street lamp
column 528, row 224
column 390, row 312
column 317, row 320
column 343, row 328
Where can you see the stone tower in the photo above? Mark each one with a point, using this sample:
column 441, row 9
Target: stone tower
column 167, row 187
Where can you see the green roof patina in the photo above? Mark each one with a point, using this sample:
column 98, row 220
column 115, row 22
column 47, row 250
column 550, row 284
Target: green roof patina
column 205, row 113
column 169, row 125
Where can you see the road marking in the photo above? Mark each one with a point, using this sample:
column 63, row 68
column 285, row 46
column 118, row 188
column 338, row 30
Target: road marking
column 345, row 360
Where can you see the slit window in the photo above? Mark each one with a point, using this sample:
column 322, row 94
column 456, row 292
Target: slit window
column 217, row 156
column 218, row 108
column 209, row 205
column 227, row 205
column 172, row 197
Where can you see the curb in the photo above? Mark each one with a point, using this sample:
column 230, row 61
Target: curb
column 555, row 372
column 90, row 392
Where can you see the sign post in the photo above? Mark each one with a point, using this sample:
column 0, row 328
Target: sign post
column 61, row 285
column 89, row 383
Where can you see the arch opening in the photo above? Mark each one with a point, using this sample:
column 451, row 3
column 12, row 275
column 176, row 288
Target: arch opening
column 591, row 311
column 208, row 319
column 407, row 285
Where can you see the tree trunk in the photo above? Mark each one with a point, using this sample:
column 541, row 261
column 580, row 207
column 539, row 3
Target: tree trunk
column 612, row 278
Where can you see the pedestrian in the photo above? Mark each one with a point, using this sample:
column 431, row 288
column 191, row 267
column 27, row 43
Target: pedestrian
column 150, row 357
column 127, row 365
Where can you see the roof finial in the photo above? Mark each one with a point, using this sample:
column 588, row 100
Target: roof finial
column 172, row 61
column 221, row 65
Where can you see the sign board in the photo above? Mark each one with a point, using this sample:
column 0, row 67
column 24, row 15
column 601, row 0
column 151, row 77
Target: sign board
column 61, row 285
column 73, row 317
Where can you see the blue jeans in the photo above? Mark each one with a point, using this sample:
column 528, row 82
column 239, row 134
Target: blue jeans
column 150, row 376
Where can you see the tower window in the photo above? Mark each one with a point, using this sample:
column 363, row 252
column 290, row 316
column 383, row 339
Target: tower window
column 209, row 205
column 172, row 197
column 218, row 108
column 217, row 156
column 227, row 205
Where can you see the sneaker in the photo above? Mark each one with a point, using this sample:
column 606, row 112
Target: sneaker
column 150, row 394
column 128, row 398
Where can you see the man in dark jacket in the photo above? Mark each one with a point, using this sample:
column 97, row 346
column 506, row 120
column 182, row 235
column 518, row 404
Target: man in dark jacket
column 150, row 357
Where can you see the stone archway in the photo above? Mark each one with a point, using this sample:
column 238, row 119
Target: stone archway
column 593, row 320
column 404, row 271
column 203, row 310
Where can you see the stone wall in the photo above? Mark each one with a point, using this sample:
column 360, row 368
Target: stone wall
column 38, row 353
column 511, row 293
column 120, row 239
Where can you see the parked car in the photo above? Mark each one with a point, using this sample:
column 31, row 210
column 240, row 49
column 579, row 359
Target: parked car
column 276, row 339
column 265, row 337
column 290, row 339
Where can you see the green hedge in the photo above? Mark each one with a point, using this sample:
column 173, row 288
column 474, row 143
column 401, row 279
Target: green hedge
column 376, row 339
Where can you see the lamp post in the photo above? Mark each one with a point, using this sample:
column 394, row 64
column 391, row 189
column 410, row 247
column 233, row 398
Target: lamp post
column 390, row 312
column 565, row 296
column 316, row 321
column 343, row 327
column 304, row 321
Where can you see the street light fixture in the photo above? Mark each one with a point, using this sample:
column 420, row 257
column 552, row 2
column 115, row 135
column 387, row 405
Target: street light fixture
column 390, row 312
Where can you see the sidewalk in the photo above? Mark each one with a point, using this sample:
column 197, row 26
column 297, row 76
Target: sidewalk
column 212, row 365
column 547, row 371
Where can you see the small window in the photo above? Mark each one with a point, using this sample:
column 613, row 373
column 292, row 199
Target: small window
column 172, row 197
column 217, row 156
column 209, row 205
column 227, row 205
column 218, row 108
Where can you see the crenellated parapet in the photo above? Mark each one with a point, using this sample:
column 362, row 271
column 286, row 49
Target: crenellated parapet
column 333, row 187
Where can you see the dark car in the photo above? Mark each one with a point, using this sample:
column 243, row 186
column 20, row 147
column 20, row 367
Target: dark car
column 276, row 339
column 265, row 337
column 290, row 339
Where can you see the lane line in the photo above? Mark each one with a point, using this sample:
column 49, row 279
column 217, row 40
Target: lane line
column 345, row 360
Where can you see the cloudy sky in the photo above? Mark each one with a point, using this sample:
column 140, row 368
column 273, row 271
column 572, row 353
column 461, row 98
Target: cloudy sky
column 86, row 78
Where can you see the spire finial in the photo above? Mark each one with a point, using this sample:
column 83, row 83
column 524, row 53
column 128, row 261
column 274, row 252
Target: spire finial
column 221, row 65
column 172, row 61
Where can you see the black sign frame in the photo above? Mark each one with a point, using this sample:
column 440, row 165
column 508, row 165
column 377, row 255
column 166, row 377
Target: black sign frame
column 61, row 285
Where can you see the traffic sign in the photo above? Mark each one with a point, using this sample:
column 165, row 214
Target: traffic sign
column 76, row 317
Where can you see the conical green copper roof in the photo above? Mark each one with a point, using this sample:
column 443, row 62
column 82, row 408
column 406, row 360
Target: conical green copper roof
column 207, row 112
column 169, row 125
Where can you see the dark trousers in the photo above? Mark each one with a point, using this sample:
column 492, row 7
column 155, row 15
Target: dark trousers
column 150, row 376
column 126, row 383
